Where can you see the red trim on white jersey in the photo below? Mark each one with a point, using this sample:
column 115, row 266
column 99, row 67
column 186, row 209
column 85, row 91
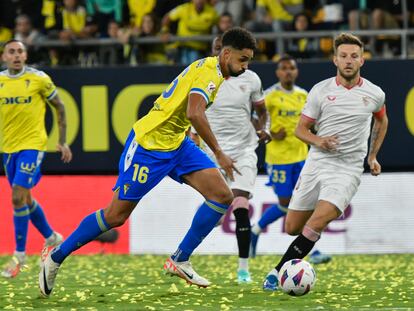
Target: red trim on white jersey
column 380, row 114
column 309, row 118
column 359, row 83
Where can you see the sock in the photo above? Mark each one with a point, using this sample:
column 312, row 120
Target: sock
column 256, row 229
column 272, row 214
column 21, row 256
column 21, row 226
column 38, row 219
column 242, row 231
column 89, row 228
column 244, row 264
column 299, row 248
column 204, row 221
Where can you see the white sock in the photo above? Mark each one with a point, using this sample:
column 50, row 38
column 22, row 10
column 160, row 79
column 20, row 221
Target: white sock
column 244, row 264
column 52, row 238
column 256, row 229
column 21, row 256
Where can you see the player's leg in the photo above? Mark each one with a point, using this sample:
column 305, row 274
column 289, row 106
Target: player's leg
column 139, row 172
column 240, row 208
column 196, row 169
column 211, row 184
column 89, row 229
column 301, row 207
column 19, row 168
column 37, row 215
column 282, row 180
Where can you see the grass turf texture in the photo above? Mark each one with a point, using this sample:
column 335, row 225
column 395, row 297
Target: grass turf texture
column 105, row 282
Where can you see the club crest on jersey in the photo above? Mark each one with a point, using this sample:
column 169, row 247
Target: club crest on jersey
column 366, row 100
column 331, row 98
column 211, row 87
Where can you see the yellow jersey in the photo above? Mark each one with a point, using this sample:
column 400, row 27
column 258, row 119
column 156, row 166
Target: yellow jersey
column 277, row 9
column 22, row 109
column 164, row 127
column 139, row 8
column 191, row 23
column 285, row 108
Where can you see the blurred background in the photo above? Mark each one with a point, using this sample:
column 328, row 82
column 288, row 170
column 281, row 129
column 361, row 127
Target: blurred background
column 111, row 59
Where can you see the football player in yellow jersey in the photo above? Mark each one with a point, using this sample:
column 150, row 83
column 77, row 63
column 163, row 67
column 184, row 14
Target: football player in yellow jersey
column 24, row 92
column 158, row 147
column 285, row 153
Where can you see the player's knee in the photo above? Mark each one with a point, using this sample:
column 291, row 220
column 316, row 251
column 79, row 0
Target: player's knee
column 115, row 218
column 224, row 196
column 18, row 198
column 292, row 228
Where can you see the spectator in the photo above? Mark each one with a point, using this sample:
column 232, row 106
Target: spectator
column 194, row 18
column 73, row 21
column 5, row 34
column 225, row 22
column 301, row 48
column 276, row 15
column 151, row 53
column 103, row 11
column 137, row 10
column 113, row 54
column 25, row 32
column 234, row 7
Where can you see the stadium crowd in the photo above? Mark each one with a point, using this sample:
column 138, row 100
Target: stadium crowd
column 123, row 21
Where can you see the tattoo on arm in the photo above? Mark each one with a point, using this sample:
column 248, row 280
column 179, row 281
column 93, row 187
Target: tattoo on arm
column 377, row 135
column 61, row 118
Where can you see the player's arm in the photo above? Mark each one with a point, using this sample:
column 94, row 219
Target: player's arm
column 57, row 103
column 261, row 121
column 304, row 133
column 378, row 132
column 196, row 114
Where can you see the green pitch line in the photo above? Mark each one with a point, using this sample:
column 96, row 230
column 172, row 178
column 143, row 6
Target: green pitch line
column 110, row 282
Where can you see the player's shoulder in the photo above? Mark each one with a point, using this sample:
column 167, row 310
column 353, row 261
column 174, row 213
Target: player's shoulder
column 36, row 72
column 208, row 65
column 300, row 90
column 3, row 74
column 371, row 86
column 272, row 89
column 373, row 90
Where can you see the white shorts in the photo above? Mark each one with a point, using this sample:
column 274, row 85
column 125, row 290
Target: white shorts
column 329, row 184
column 247, row 166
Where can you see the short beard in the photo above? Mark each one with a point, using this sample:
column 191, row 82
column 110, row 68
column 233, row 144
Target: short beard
column 235, row 73
column 348, row 77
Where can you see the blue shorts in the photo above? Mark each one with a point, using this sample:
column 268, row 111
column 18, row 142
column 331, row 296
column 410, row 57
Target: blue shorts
column 140, row 169
column 23, row 168
column 283, row 177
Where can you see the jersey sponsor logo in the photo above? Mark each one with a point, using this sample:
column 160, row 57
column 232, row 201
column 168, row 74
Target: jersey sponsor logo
column 289, row 113
column 211, row 87
column 331, row 98
column 15, row 100
column 27, row 167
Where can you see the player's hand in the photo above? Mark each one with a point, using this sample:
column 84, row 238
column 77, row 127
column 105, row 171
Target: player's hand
column 280, row 135
column 374, row 166
column 227, row 164
column 66, row 153
column 264, row 136
column 328, row 143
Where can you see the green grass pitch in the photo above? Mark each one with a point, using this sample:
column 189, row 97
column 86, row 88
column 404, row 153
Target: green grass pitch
column 111, row 282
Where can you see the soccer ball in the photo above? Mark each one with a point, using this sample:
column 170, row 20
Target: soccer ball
column 296, row 277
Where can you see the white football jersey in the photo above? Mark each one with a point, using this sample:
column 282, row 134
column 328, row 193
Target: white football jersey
column 346, row 113
column 230, row 114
